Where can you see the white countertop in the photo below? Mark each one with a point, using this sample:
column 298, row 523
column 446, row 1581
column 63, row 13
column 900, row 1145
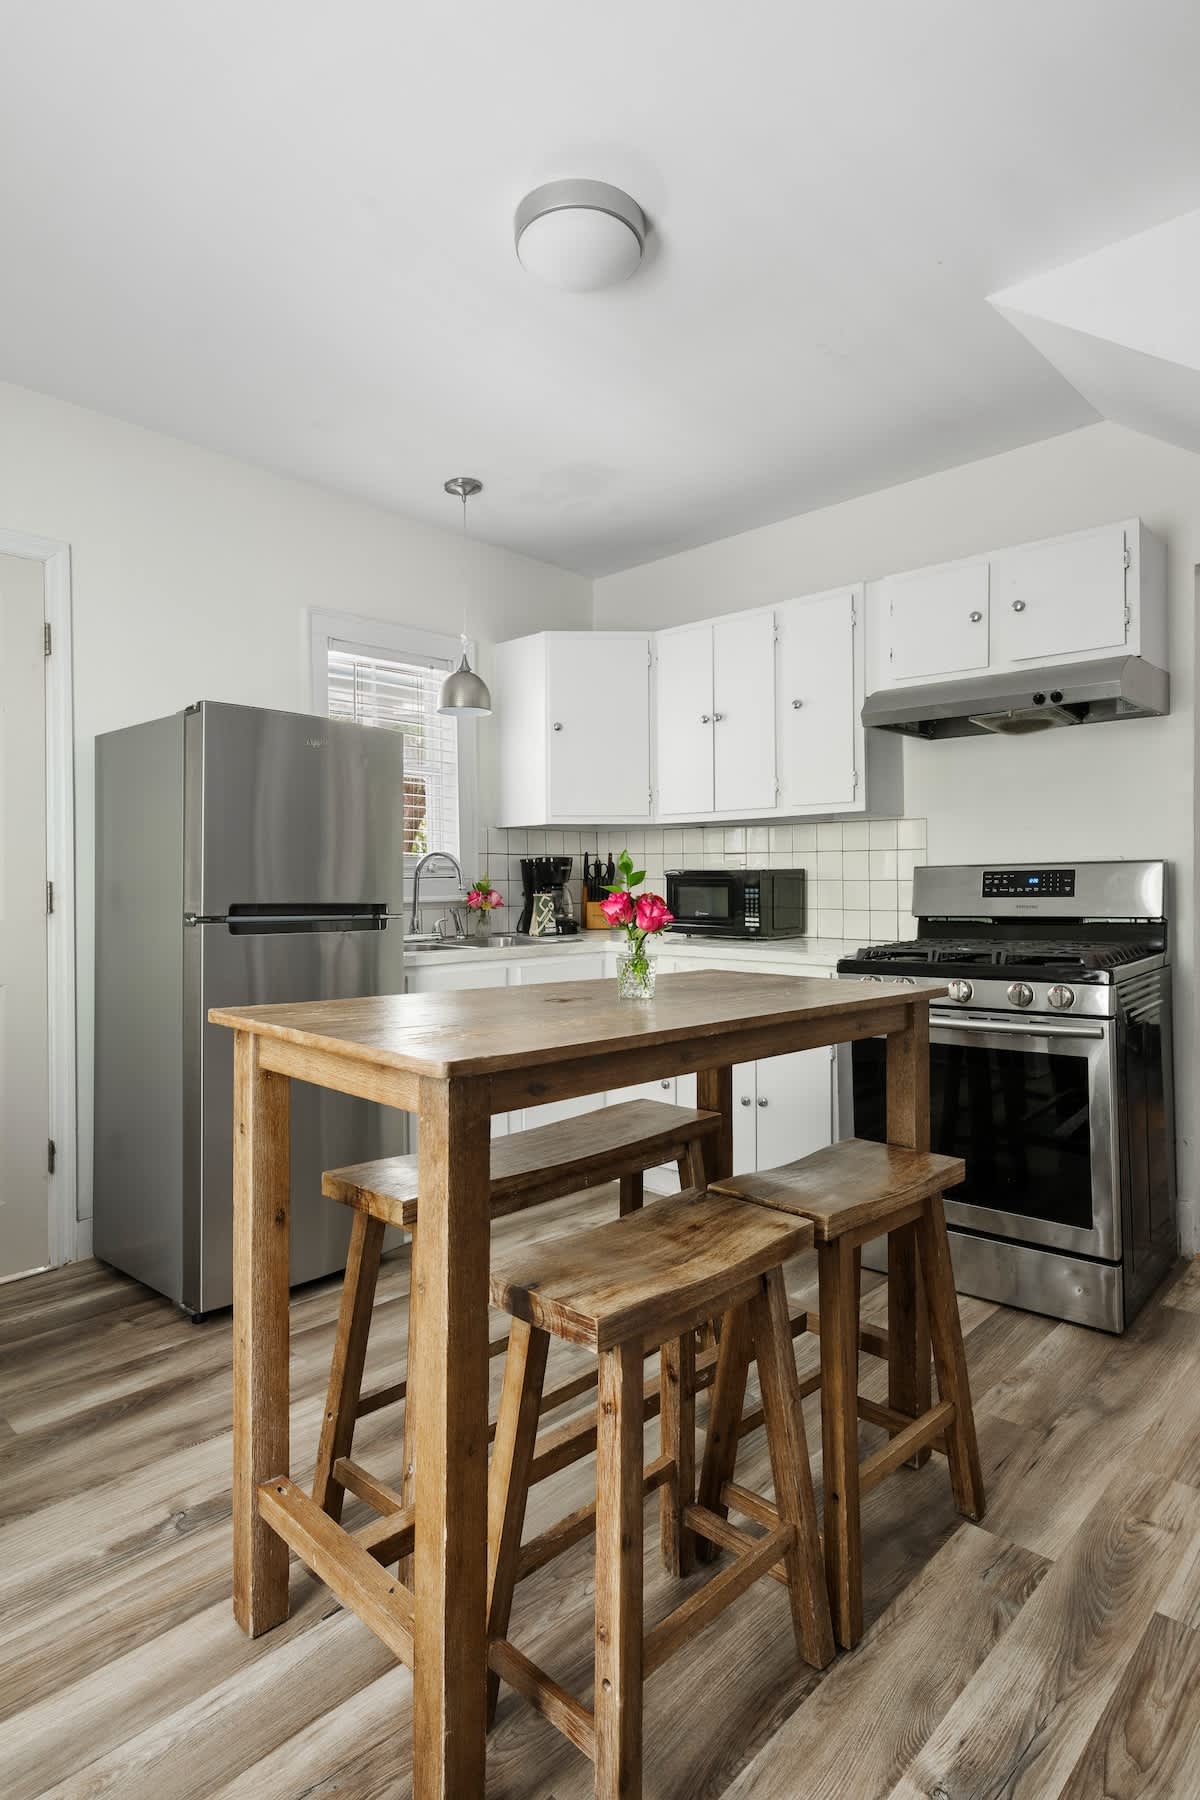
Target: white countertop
column 801, row 952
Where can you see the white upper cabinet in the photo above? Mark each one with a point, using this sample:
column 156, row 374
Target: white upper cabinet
column 714, row 723
column 558, row 695
column 743, row 651
column 1062, row 598
column 1067, row 599
column 819, row 696
column 683, row 693
column 938, row 620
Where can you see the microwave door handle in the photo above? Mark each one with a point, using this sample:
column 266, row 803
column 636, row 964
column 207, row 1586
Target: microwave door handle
column 1010, row 1028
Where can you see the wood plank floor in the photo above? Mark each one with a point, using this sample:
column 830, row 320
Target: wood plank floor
column 1052, row 1650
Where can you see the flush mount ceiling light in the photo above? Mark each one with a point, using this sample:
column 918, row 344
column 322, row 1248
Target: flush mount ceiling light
column 579, row 234
column 463, row 691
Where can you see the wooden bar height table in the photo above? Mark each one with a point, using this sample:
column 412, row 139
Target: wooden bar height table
column 455, row 1059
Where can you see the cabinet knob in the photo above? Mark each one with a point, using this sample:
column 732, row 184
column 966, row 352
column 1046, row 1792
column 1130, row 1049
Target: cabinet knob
column 762, row 1103
column 796, row 705
column 706, row 718
column 664, row 1084
column 1018, row 606
column 976, row 616
column 557, row 725
column 717, row 717
column 745, row 1099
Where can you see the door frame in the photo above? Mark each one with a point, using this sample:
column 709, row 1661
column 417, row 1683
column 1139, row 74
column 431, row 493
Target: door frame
column 63, row 1191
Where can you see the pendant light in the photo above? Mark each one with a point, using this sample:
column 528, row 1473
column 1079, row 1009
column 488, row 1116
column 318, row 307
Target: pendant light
column 463, row 691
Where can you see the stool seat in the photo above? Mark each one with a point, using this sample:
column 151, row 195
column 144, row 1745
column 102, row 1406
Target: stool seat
column 848, row 1186
column 542, row 1163
column 659, row 1271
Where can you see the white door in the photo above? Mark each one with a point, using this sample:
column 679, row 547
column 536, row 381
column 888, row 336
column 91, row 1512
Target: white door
column 1060, row 599
column 745, row 1125
column 683, row 706
column 24, row 1051
column 936, row 620
column 793, row 1106
column 817, row 707
column 592, row 678
column 743, row 661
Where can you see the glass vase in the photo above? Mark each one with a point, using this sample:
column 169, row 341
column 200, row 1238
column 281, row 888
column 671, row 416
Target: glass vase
column 483, row 925
column 635, row 977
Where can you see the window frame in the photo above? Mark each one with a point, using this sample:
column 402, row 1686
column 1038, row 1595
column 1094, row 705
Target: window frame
column 389, row 639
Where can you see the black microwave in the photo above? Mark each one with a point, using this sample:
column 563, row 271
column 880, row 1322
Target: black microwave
column 742, row 903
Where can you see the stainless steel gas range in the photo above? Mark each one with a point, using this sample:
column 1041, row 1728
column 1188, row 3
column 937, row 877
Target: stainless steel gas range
column 1050, row 1074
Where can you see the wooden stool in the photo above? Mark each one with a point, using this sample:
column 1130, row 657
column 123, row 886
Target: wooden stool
column 622, row 1289
column 852, row 1192
column 614, row 1143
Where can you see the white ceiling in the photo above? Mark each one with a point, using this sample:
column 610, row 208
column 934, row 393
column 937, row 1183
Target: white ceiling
column 284, row 230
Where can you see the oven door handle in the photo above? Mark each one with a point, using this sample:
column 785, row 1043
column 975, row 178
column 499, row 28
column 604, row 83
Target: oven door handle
column 1011, row 1028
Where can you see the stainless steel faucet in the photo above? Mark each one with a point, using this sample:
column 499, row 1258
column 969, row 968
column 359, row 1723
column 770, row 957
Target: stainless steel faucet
column 431, row 856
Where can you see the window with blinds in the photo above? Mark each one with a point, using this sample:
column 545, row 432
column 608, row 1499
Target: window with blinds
column 401, row 695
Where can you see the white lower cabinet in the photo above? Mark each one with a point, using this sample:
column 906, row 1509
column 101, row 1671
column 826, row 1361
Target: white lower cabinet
column 553, row 966
column 782, row 1109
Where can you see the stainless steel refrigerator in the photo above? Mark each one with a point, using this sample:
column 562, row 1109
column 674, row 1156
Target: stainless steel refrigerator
column 241, row 856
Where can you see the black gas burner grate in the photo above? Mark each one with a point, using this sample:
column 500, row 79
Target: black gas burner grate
column 1006, row 953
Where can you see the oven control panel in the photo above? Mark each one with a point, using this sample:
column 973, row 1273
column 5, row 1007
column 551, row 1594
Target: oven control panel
column 1055, row 884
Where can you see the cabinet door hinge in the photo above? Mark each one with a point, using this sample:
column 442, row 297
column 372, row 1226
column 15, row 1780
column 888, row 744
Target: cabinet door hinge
column 47, row 638
column 49, row 896
column 1128, row 557
column 50, row 1155
column 854, row 781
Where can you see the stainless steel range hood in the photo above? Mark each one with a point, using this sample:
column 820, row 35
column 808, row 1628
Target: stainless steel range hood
column 1119, row 687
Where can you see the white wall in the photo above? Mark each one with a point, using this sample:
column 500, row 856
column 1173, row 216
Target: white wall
column 1121, row 790
column 192, row 578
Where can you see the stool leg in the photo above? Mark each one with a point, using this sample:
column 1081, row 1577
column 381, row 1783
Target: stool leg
column 791, row 1471
column 412, row 1399
column 349, row 1359
column 631, row 1194
column 945, row 1327
column 909, row 1386
column 677, row 1436
column 692, row 1170
column 508, row 1476
column 839, row 1439
column 618, row 1697
column 724, row 1417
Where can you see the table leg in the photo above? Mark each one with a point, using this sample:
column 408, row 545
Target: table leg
column 261, row 1228
column 450, row 1273
column 714, row 1093
column 909, row 1383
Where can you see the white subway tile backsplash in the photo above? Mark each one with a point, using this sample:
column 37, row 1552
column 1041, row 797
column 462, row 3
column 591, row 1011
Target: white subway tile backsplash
column 859, row 872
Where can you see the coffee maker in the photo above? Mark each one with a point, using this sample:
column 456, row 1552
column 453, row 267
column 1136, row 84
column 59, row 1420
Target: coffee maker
column 548, row 875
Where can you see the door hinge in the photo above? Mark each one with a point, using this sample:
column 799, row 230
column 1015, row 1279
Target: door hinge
column 47, row 638
column 49, row 896
column 51, row 1153
column 1128, row 557
column 854, row 781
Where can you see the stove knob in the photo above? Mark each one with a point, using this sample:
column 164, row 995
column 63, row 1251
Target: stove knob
column 961, row 991
column 1021, row 994
column 1061, row 996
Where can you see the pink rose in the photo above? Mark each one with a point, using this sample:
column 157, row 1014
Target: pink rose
column 652, row 914
column 618, row 909
column 494, row 898
column 475, row 899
